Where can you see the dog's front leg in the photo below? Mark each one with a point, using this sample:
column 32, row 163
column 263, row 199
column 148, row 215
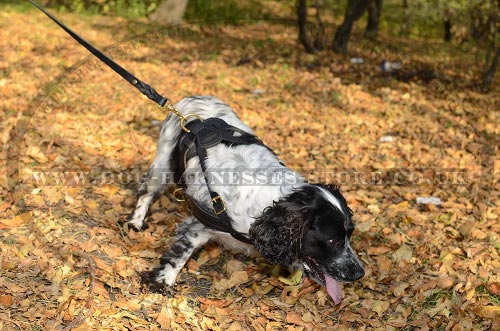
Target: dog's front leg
column 191, row 234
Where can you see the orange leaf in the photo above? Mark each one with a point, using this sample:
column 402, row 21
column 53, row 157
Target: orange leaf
column 163, row 319
column 16, row 221
column 378, row 250
column 6, row 300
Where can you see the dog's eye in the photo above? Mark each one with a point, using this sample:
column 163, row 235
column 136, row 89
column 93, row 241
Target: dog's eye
column 335, row 243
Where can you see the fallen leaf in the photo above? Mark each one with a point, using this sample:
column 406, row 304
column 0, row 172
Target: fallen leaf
column 380, row 307
column 399, row 288
column 234, row 265
column 237, row 278
column 488, row 311
column 163, row 319
column 494, row 288
column 293, row 279
column 378, row 250
column 295, row 318
column 16, row 221
column 404, row 253
column 6, row 300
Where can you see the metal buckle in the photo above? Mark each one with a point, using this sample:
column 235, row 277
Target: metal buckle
column 218, row 198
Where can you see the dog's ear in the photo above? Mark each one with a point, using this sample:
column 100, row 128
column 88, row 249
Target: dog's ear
column 335, row 191
column 278, row 233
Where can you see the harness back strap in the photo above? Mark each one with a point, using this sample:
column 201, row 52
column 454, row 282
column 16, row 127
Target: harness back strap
column 203, row 135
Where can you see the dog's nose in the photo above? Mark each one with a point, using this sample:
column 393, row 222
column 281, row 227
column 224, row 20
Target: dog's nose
column 359, row 273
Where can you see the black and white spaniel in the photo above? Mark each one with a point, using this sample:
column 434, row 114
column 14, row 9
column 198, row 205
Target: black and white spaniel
column 288, row 220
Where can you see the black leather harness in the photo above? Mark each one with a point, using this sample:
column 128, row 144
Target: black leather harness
column 201, row 136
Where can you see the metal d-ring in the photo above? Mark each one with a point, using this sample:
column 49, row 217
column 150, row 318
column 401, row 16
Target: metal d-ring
column 184, row 119
column 178, row 194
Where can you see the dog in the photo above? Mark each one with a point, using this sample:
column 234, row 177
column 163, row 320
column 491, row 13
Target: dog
column 289, row 221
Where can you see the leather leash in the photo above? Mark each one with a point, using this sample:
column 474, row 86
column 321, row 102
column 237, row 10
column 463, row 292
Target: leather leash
column 220, row 220
column 136, row 82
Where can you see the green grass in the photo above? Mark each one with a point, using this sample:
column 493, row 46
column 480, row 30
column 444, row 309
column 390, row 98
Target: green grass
column 224, row 10
column 483, row 293
column 425, row 20
column 197, row 10
column 431, row 300
column 15, row 6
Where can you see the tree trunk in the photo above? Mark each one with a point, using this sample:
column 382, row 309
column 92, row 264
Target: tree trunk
column 169, row 12
column 302, row 23
column 320, row 29
column 490, row 72
column 447, row 30
column 447, row 25
column 355, row 8
column 406, row 25
column 374, row 11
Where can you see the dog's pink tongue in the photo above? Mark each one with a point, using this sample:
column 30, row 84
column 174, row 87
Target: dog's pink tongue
column 333, row 288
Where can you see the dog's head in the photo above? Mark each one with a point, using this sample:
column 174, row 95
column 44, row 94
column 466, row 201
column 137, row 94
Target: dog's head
column 313, row 226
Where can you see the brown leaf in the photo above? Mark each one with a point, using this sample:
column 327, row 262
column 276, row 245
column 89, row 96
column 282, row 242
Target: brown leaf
column 488, row 311
column 404, row 253
column 384, row 266
column 445, row 282
column 494, row 288
column 399, row 288
column 237, row 278
column 234, row 265
column 36, row 153
column 112, row 251
column 295, row 318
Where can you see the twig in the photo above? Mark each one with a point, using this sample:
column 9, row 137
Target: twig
column 145, row 313
column 81, row 316
column 8, row 320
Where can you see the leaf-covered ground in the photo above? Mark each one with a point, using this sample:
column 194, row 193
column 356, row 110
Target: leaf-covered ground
column 76, row 138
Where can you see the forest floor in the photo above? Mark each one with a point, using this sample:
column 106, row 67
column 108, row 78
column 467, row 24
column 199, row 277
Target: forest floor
column 76, row 138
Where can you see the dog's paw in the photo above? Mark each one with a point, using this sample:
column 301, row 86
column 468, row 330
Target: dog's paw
column 135, row 223
column 150, row 280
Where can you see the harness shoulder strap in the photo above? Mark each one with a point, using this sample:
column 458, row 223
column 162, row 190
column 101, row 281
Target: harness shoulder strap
column 202, row 136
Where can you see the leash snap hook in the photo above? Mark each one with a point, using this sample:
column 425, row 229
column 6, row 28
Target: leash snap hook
column 170, row 107
column 185, row 118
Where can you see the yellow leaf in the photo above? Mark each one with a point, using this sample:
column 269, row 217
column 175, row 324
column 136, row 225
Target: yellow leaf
column 293, row 279
column 36, row 153
column 163, row 319
column 380, row 307
column 470, row 294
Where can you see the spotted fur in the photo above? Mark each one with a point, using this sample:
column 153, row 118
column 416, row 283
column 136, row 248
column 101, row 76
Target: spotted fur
column 291, row 222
